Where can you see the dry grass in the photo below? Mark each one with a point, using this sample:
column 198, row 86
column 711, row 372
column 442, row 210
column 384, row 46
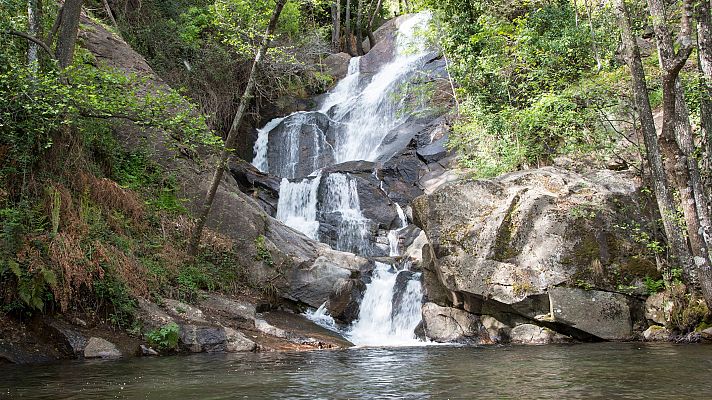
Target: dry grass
column 131, row 272
column 108, row 195
column 183, row 227
column 69, row 261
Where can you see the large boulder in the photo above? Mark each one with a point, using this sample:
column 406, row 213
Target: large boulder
column 447, row 324
column 345, row 300
column 506, row 245
column 605, row 315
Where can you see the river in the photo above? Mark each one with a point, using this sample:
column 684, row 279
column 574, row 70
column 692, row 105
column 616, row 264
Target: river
column 602, row 370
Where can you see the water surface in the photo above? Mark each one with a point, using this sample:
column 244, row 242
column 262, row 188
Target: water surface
column 606, row 370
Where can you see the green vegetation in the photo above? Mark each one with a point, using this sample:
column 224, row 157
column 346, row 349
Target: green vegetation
column 165, row 337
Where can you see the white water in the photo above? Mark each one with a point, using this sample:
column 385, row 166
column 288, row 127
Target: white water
column 362, row 111
column 378, row 324
column 351, row 124
column 342, row 198
column 297, row 206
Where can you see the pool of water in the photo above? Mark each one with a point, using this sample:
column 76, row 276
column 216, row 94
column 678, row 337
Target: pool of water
column 604, row 370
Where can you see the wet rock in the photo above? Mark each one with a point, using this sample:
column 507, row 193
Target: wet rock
column 197, row 339
column 658, row 308
column 262, row 187
column 314, row 284
column 603, row 314
column 70, row 340
column 400, row 176
column 296, row 154
column 656, row 333
column 533, row 334
column 400, row 289
column 101, row 348
column 446, row 324
column 344, row 301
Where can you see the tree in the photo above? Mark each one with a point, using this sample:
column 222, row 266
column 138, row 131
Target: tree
column 336, row 26
column 369, row 28
column 663, row 194
column 245, row 99
column 347, row 26
column 359, row 28
column 68, row 30
column 704, row 52
column 676, row 137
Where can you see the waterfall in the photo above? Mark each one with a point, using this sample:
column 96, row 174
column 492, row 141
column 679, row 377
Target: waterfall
column 380, row 321
column 342, row 199
column 352, row 123
column 297, row 206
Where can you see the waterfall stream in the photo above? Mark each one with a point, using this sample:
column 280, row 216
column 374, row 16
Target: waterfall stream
column 351, row 123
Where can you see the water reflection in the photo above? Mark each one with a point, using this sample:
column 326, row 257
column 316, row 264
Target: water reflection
column 634, row 371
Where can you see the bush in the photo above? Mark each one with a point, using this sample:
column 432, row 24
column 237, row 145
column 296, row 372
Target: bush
column 164, row 338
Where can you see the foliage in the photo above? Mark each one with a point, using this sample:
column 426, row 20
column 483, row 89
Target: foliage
column 263, row 253
column 165, row 337
column 528, row 80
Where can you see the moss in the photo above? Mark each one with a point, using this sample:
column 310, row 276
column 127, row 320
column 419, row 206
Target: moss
column 522, row 288
column 504, row 247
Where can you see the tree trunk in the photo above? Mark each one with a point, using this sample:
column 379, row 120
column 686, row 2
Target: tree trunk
column 336, row 26
column 33, row 29
column 234, row 128
column 677, row 243
column 677, row 143
column 68, row 31
column 371, row 20
column 594, row 46
column 347, row 25
column 359, row 28
column 704, row 52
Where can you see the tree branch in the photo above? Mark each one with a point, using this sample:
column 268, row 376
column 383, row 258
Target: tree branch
column 31, row 39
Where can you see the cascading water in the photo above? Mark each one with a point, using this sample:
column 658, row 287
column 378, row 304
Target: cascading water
column 297, row 206
column 352, row 123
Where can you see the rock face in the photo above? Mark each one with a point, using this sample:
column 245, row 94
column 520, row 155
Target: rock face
column 507, row 247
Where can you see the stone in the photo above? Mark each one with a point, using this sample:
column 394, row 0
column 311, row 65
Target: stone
column 656, row 333
column 184, row 311
column 101, row 348
column 706, row 334
column 533, row 334
column 261, row 186
column 337, row 65
column 237, row 342
column 314, row 284
column 344, row 301
column 605, row 315
column 147, row 351
column 503, row 246
column 497, row 331
column 658, row 308
column 448, row 325
column 197, row 339
column 240, row 312
column 70, row 340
